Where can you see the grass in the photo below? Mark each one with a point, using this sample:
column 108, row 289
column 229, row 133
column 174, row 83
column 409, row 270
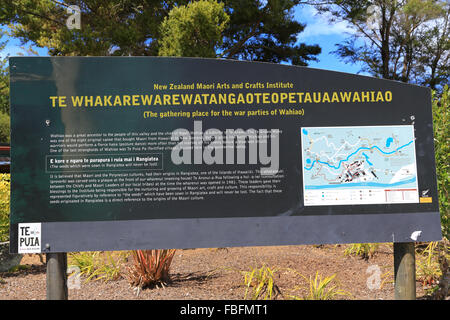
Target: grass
column 387, row 277
column 19, row 267
column 260, row 283
column 428, row 269
column 320, row 289
column 97, row 265
column 363, row 250
column 427, row 266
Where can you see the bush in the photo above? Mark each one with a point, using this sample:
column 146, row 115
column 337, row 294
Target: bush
column 4, row 128
column 150, row 268
column 4, row 206
column 441, row 104
column 427, row 265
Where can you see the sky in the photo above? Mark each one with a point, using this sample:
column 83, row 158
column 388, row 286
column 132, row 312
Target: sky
column 317, row 31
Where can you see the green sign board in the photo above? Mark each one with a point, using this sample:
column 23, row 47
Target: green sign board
column 117, row 153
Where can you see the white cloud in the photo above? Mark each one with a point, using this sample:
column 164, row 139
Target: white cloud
column 318, row 24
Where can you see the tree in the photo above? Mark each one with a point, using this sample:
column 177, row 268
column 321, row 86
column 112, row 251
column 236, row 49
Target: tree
column 405, row 40
column 4, row 79
column 121, row 27
column 194, row 30
column 258, row 30
column 265, row 31
column 434, row 53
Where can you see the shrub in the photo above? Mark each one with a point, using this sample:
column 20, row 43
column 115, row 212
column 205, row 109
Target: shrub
column 432, row 268
column 442, row 150
column 427, row 270
column 4, row 206
column 4, row 128
column 150, row 267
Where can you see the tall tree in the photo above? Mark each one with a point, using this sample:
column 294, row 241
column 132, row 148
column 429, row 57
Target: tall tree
column 433, row 58
column 405, row 40
column 119, row 27
column 194, row 30
column 265, row 31
column 258, row 30
column 4, row 78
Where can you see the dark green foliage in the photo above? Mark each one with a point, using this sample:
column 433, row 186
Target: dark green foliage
column 4, row 80
column 265, row 32
column 408, row 40
column 4, row 128
column 258, row 30
column 441, row 105
column 194, row 30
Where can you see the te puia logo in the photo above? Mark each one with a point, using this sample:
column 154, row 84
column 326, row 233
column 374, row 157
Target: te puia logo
column 29, row 238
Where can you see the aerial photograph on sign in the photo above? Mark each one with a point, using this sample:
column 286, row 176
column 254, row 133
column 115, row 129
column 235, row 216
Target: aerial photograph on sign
column 359, row 165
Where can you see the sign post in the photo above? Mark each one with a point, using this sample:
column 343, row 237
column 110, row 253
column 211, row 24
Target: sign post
column 125, row 153
column 57, row 276
column 404, row 271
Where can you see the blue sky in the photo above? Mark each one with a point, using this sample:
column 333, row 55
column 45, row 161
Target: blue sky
column 317, row 31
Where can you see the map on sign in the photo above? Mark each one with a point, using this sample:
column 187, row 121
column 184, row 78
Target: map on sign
column 359, row 165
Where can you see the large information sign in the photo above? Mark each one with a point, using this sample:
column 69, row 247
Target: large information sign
column 137, row 153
